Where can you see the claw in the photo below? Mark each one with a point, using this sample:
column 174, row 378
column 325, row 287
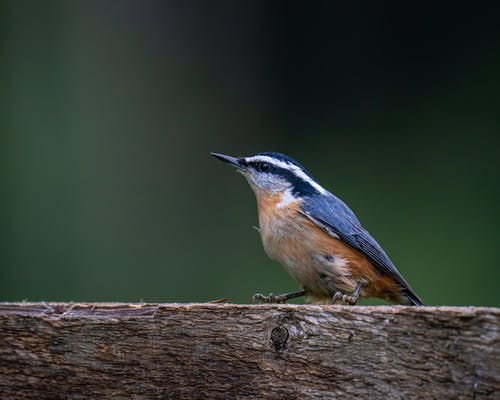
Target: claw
column 272, row 298
column 336, row 297
column 346, row 299
column 351, row 300
column 277, row 298
column 259, row 297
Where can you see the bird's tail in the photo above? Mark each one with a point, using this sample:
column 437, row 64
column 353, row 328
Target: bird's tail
column 411, row 298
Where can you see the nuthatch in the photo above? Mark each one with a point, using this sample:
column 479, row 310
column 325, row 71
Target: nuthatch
column 316, row 237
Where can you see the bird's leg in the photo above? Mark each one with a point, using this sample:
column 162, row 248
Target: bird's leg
column 352, row 300
column 277, row 298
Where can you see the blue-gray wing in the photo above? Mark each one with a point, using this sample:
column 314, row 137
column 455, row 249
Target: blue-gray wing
column 337, row 219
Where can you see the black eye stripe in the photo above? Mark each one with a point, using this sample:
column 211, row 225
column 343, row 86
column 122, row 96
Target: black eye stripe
column 261, row 166
column 300, row 187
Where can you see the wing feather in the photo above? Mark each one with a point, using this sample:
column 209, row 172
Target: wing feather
column 338, row 220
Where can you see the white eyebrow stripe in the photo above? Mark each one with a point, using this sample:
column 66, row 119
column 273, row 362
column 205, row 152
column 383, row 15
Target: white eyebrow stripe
column 291, row 167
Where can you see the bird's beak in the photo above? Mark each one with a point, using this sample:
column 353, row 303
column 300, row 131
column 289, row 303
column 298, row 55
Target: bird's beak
column 238, row 163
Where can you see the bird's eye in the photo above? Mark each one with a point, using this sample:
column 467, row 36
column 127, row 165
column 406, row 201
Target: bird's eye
column 262, row 167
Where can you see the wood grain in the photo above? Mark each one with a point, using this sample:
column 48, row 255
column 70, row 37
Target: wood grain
column 226, row 351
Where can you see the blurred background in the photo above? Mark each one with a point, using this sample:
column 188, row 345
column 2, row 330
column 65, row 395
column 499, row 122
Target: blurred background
column 110, row 109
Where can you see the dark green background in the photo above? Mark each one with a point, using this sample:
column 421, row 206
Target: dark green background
column 110, row 110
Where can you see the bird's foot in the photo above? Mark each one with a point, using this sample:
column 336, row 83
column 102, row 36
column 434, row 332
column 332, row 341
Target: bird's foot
column 277, row 298
column 271, row 298
column 344, row 298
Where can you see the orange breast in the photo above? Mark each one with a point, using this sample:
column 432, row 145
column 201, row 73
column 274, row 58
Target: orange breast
column 320, row 263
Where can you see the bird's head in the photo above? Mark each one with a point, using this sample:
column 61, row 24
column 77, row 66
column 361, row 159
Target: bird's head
column 274, row 173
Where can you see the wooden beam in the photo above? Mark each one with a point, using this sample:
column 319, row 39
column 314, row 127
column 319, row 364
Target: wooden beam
column 228, row 351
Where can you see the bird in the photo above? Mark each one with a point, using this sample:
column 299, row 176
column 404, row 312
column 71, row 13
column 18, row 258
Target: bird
column 316, row 237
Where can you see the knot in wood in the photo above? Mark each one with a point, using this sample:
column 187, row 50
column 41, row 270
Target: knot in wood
column 279, row 336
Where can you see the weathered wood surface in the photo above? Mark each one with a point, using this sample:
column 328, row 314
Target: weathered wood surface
column 208, row 351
